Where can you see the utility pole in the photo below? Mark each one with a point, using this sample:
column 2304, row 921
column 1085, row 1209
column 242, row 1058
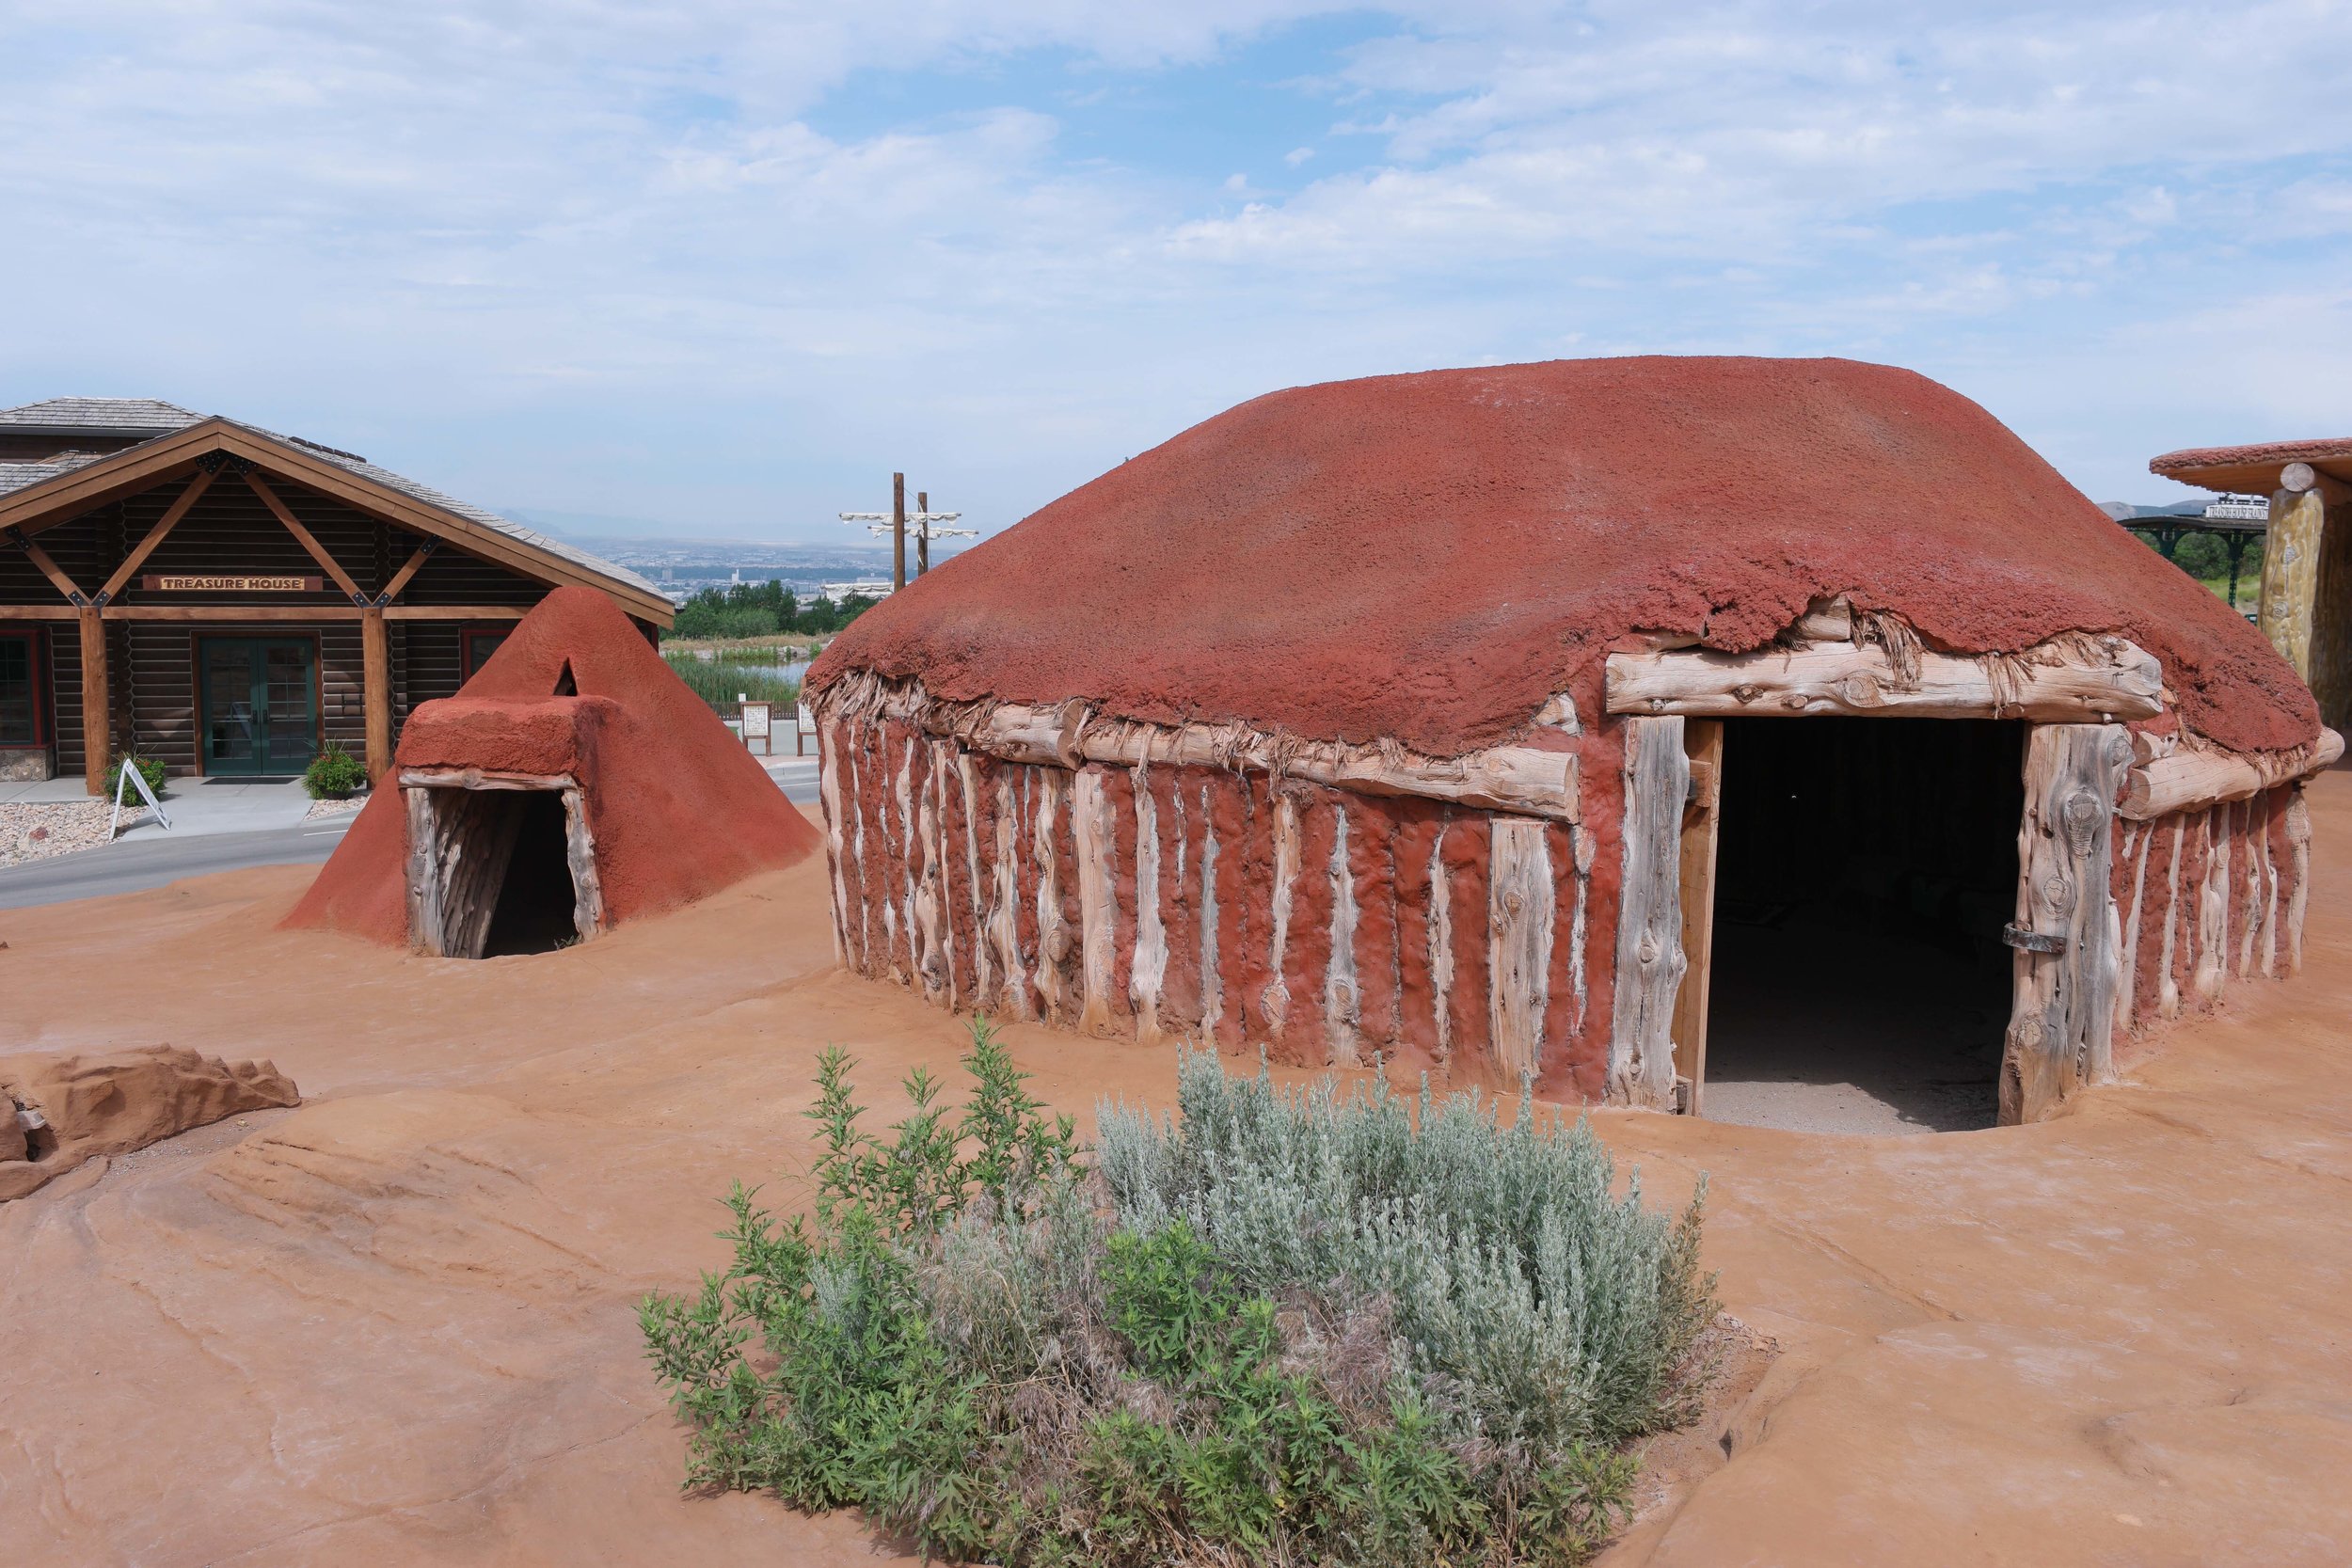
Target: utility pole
column 898, row 531
column 927, row 528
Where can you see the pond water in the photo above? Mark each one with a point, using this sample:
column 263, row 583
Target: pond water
column 791, row 671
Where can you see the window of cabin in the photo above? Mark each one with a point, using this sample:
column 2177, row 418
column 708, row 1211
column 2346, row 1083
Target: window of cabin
column 20, row 702
column 480, row 645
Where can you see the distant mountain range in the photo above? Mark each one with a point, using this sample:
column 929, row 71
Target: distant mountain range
column 681, row 565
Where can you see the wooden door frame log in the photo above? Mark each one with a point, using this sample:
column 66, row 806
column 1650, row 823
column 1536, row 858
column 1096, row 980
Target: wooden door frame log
column 1702, row 830
column 2066, row 680
column 2062, row 1026
column 1650, row 959
column 436, row 799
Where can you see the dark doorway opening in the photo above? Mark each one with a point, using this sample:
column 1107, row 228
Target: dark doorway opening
column 498, row 877
column 535, row 901
column 1865, row 869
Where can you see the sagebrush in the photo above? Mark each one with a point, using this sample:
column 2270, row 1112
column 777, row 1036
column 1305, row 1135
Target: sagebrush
column 1288, row 1327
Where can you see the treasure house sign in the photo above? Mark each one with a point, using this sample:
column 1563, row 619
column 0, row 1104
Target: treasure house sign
column 226, row 582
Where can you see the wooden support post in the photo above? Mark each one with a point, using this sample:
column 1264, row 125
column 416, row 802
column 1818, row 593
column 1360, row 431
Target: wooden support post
column 2290, row 586
column 1342, row 991
column 923, row 533
column 1702, row 738
column 1094, row 831
column 898, row 531
column 1518, row 945
column 1651, row 960
column 2068, row 934
column 375, row 677
column 97, row 712
column 579, row 852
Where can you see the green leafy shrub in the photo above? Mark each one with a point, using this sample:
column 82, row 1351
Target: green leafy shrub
column 334, row 774
column 698, row 617
column 146, row 767
column 1214, row 1348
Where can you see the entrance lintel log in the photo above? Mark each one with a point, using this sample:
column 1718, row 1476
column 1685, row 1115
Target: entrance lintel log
column 2069, row 680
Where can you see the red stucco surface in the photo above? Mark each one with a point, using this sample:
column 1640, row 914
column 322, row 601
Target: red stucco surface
column 677, row 807
column 1427, row 557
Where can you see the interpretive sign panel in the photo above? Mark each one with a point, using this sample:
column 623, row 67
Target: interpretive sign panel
column 756, row 727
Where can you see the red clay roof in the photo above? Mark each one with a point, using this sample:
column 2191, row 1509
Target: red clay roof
column 1428, row 557
column 677, row 807
column 2256, row 467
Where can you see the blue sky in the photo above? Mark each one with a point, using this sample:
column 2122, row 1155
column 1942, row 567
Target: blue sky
column 725, row 266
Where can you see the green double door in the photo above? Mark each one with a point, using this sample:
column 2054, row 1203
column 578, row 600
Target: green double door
column 260, row 705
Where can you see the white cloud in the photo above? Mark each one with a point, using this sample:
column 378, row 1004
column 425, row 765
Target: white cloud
column 595, row 254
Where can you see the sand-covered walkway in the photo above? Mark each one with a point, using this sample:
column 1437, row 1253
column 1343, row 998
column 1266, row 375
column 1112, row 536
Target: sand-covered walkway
column 396, row 1323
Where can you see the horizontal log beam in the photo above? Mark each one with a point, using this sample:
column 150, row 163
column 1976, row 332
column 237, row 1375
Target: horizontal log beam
column 456, row 611
column 2071, row 680
column 2194, row 779
column 482, row 778
column 272, row 613
column 1520, row 779
column 1501, row 778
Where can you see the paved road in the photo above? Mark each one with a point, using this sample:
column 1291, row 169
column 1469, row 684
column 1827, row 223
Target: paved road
column 146, row 863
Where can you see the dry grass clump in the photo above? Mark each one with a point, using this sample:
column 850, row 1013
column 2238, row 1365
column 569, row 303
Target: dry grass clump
column 1287, row 1328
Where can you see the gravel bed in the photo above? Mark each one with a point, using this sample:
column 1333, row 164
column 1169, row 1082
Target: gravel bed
column 36, row 830
column 333, row 808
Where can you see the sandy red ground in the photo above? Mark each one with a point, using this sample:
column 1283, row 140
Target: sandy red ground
column 396, row 1324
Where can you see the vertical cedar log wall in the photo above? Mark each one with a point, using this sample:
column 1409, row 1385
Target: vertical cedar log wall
column 1330, row 927
column 1163, row 900
column 2207, row 896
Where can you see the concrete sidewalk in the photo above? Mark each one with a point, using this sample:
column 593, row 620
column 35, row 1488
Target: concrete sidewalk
column 195, row 805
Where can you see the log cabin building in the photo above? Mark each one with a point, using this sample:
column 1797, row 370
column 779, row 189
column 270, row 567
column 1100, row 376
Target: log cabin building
column 225, row 600
column 1603, row 725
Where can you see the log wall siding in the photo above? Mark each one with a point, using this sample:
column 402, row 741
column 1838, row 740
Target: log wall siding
column 2207, row 898
column 229, row 528
column 1163, row 902
column 1328, row 926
